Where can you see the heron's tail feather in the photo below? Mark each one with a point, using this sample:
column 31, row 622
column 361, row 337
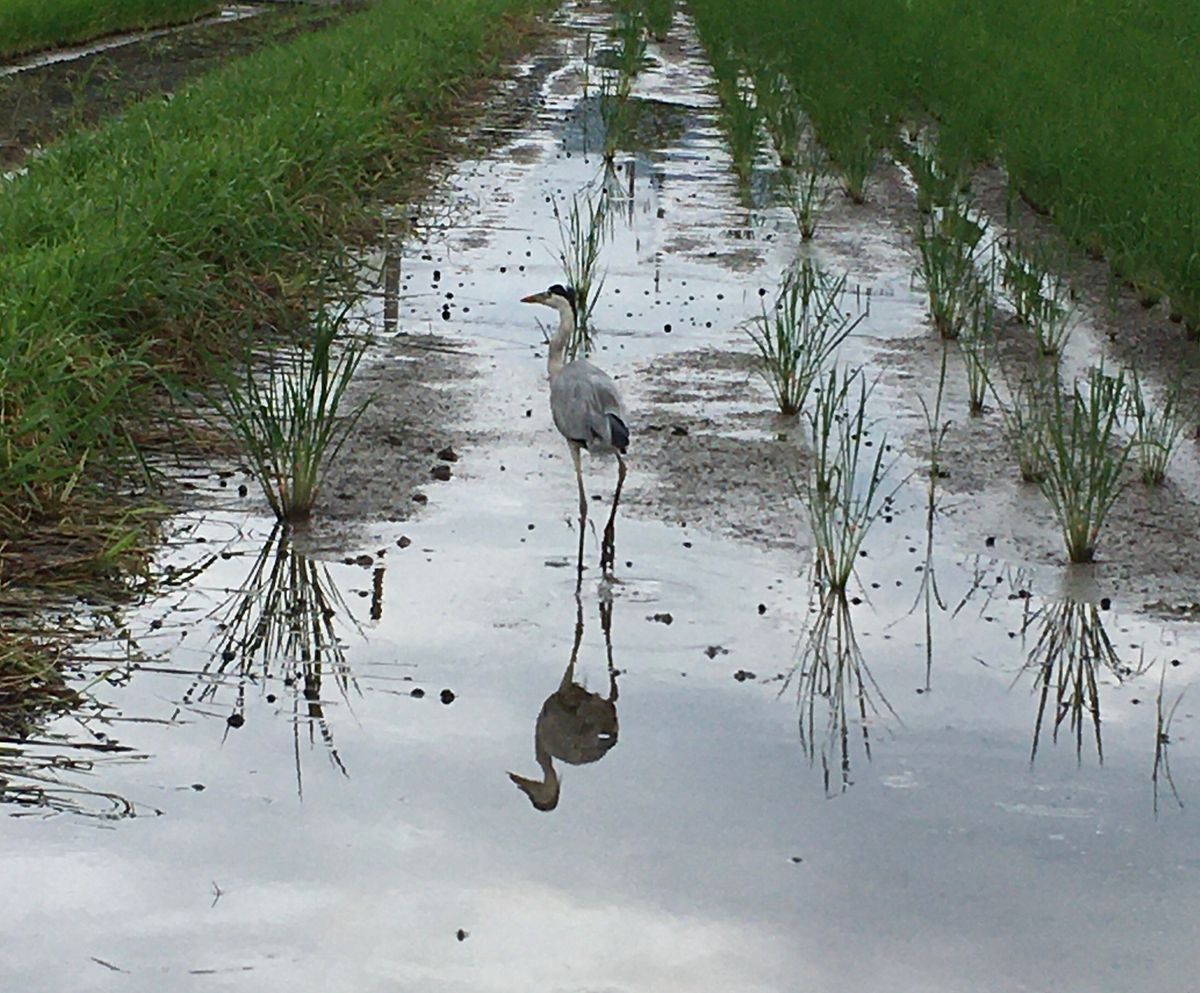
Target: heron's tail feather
column 618, row 432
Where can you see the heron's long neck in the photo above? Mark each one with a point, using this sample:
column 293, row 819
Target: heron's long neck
column 558, row 344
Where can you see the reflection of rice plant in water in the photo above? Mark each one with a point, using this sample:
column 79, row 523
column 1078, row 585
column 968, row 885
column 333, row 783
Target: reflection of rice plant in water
column 1071, row 645
column 1024, row 417
column 800, row 333
column 582, row 233
column 658, row 15
column 1157, row 430
column 843, row 490
column 1084, row 458
column 946, row 244
column 630, row 34
column 1163, row 716
column 806, row 186
column 832, row 669
column 281, row 624
column 287, row 419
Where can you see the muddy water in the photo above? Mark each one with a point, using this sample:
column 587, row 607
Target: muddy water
column 321, row 750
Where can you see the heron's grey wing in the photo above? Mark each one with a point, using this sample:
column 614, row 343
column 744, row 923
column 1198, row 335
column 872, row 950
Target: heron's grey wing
column 581, row 398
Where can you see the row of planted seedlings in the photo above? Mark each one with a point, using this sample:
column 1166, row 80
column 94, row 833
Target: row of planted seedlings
column 1068, row 442
column 1072, row 442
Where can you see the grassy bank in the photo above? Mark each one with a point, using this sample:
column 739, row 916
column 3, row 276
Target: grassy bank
column 27, row 25
column 1094, row 108
column 131, row 251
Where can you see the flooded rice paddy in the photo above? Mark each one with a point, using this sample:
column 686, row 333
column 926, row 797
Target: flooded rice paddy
column 302, row 773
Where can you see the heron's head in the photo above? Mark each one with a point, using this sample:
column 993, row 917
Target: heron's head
column 558, row 296
column 543, row 794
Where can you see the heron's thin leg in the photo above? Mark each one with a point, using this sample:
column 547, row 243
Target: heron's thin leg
column 608, row 552
column 575, row 457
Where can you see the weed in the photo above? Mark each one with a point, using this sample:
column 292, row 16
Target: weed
column 799, row 334
column 843, row 491
column 287, row 420
column 1157, row 430
column 1084, row 458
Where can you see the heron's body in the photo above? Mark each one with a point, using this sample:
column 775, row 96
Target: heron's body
column 587, row 409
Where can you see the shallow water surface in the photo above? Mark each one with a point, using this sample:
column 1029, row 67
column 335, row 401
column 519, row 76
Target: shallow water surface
column 322, row 748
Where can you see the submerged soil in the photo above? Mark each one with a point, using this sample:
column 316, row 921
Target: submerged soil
column 40, row 104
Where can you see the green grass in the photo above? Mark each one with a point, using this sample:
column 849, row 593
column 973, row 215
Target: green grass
column 26, row 25
column 133, row 249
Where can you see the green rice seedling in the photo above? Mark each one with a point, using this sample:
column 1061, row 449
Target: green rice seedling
column 1040, row 296
column 844, row 488
column 1052, row 321
column 946, row 268
column 780, row 111
column 741, row 119
column 630, row 35
column 936, row 186
column 287, row 418
column 1071, row 646
column 978, row 342
column 832, row 671
column 659, row 16
column 852, row 140
column 806, row 187
column 1157, row 430
column 617, row 112
column 1024, row 417
column 802, row 330
column 582, row 233
column 1084, row 458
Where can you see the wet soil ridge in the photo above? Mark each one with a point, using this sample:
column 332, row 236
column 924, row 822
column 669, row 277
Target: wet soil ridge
column 27, row 25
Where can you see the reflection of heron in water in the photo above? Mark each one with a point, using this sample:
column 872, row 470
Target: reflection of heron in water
column 575, row 726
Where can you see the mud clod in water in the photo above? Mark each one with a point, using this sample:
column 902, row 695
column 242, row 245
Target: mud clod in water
column 440, row 472
column 447, row 697
column 663, row 618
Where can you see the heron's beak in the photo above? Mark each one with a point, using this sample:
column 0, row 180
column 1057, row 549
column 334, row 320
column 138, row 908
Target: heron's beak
column 534, row 298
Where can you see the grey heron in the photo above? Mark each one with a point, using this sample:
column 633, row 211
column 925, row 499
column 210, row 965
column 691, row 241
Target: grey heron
column 587, row 410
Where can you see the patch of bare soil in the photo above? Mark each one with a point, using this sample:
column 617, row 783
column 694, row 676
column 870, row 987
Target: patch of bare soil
column 40, row 105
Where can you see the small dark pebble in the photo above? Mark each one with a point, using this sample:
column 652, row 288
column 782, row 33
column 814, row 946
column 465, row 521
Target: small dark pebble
column 441, row 472
column 417, row 692
column 270, row 698
column 1175, row 662
column 228, row 655
column 447, row 696
column 712, row 651
column 419, row 497
column 856, row 600
column 448, row 454
column 680, row 430
column 155, row 624
column 242, row 491
column 762, row 609
column 796, row 860
column 667, row 328
column 661, row 618
column 1105, row 603
column 235, row 720
column 990, row 541
column 742, row 675
column 198, row 787
column 404, row 541
column 365, row 560
column 687, row 544
column 529, row 413
column 461, row 935
column 1135, row 700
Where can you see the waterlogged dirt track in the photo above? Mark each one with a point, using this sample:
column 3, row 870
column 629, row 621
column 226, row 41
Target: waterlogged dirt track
column 321, row 749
